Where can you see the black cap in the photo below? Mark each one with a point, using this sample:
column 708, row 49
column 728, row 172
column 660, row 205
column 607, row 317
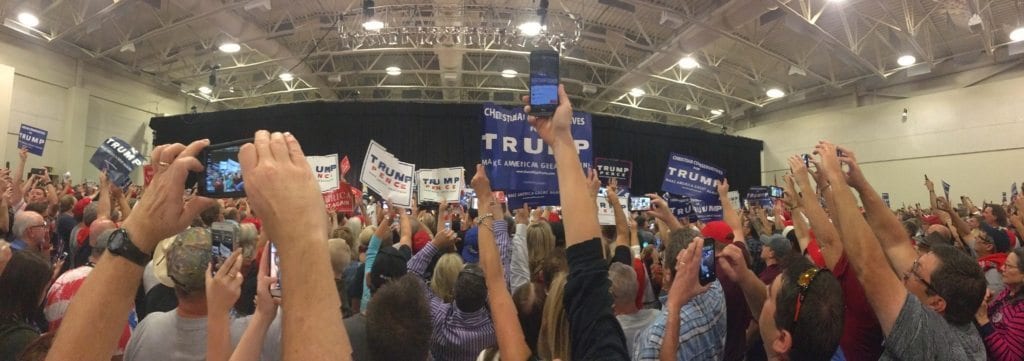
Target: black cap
column 389, row 264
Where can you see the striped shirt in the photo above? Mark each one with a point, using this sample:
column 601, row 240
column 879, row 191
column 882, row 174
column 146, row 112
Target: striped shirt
column 459, row 335
column 1004, row 334
column 701, row 333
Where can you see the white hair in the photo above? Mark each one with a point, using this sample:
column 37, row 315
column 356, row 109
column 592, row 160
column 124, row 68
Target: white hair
column 624, row 286
column 22, row 221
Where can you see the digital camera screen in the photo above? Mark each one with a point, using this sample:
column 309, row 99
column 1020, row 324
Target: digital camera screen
column 544, row 80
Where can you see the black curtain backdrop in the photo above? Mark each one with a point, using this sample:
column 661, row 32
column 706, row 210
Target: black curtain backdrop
column 447, row 135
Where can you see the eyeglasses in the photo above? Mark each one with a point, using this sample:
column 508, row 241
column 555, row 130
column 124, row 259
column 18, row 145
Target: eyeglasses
column 913, row 271
column 39, row 225
column 804, row 282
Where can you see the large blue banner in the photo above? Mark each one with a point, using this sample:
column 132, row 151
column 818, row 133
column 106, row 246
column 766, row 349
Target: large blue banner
column 694, row 178
column 32, row 138
column 516, row 158
column 681, row 206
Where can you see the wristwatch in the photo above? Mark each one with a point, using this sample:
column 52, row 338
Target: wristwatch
column 120, row 244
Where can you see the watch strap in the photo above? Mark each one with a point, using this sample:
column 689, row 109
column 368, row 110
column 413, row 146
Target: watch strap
column 127, row 249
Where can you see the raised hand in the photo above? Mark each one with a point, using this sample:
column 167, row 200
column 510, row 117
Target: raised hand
column 723, row 187
column 613, row 187
column 479, row 182
column 23, row 154
column 280, row 184
column 790, row 197
column 555, row 128
column 686, row 284
column 928, row 184
column 854, row 176
column 444, row 239
column 593, row 183
column 266, row 304
column 659, row 208
column 224, row 287
column 523, row 214
column 732, row 262
column 830, row 166
column 162, row 212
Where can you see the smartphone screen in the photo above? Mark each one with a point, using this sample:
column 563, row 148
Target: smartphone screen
column 707, row 262
column 639, row 203
column 776, row 192
column 275, row 262
column 543, row 82
column 475, row 203
column 447, row 225
column 223, row 235
column 222, row 174
column 807, row 160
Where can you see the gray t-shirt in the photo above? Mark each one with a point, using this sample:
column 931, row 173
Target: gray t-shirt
column 922, row 334
column 633, row 324
column 168, row 336
column 355, row 326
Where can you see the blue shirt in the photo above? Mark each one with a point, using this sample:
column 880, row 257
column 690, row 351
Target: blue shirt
column 19, row 245
column 701, row 333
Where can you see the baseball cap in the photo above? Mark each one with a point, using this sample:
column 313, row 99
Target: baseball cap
column 470, row 246
column 390, row 264
column 79, row 209
column 718, row 231
column 187, row 259
column 780, row 245
column 160, row 261
column 1000, row 240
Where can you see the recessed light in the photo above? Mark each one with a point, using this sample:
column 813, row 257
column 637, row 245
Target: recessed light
column 286, row 76
column 906, row 60
column 637, row 92
column 1017, row 34
column 688, row 62
column 716, row 112
column 509, row 73
column 775, row 93
column 373, row 25
column 230, row 47
column 531, row 28
column 205, row 90
column 393, row 70
column 28, row 19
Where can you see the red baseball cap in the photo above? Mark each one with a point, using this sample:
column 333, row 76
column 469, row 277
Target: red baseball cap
column 718, row 231
column 79, row 208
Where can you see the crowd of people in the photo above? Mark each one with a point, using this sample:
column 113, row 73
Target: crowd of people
column 830, row 272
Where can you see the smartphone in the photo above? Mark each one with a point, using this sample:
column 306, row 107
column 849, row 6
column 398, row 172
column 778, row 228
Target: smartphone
column 776, row 192
column 602, row 192
column 222, row 174
column 807, row 160
column 223, row 236
column 275, row 271
column 543, row 82
column 383, row 205
column 639, row 203
column 37, row 171
column 475, row 203
column 707, row 262
column 447, row 225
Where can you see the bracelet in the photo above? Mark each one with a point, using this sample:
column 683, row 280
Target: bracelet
column 480, row 220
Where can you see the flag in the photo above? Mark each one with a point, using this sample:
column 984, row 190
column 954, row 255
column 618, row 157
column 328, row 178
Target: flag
column 345, row 166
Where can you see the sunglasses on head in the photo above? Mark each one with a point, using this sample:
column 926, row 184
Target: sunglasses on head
column 804, row 283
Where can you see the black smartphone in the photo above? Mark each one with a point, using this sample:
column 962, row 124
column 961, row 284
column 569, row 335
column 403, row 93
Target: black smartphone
column 807, row 160
column 776, row 192
column 639, row 203
column 223, row 236
column 707, row 262
column 543, row 82
column 222, row 174
column 37, row 171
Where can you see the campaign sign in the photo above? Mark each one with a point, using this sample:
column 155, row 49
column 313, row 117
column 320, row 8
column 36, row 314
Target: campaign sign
column 345, row 166
column 340, row 199
column 760, row 195
column 605, row 211
column 118, row 159
column 32, row 138
column 433, row 185
column 885, row 197
column 325, row 167
column 621, row 170
column 694, row 178
column 533, row 198
column 388, row 176
column 681, row 206
column 945, row 189
column 514, row 155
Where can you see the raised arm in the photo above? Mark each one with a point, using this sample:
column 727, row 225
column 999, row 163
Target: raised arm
column 660, row 211
column 222, row 291
column 578, row 207
column 19, row 174
column 94, row 321
column 622, row 237
column 685, row 287
column 106, row 203
column 887, row 228
column 730, row 214
column 882, row 287
column 824, row 231
column 251, row 343
column 511, row 341
column 519, row 269
column 734, row 267
column 382, row 232
column 932, row 198
column 281, row 185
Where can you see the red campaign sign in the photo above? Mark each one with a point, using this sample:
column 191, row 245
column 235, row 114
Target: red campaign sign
column 356, row 192
column 340, row 199
column 345, row 166
column 147, row 174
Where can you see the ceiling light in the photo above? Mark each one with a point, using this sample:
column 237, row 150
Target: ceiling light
column 1017, row 34
column 286, row 76
column 775, row 93
column 688, row 62
column 906, row 60
column 393, row 70
column 716, row 112
column 531, row 28
column 205, row 90
column 509, row 73
column 230, row 47
column 28, row 19
column 637, row 92
column 373, row 25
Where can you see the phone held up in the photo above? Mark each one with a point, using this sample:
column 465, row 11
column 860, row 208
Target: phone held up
column 275, row 262
column 223, row 236
column 639, row 203
column 543, row 82
column 222, row 174
column 707, row 262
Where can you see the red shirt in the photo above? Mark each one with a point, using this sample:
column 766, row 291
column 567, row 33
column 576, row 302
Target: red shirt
column 862, row 335
column 641, row 281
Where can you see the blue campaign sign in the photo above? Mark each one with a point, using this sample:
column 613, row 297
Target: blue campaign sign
column 533, row 198
column 118, row 158
column 694, row 178
column 760, row 195
column 514, row 155
column 32, row 138
column 681, row 206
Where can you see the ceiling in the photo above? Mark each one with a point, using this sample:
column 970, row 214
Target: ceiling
column 455, row 50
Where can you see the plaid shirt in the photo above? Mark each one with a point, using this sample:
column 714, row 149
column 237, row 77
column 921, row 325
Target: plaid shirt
column 701, row 334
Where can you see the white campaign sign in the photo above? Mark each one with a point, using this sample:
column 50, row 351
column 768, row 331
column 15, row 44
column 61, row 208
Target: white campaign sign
column 433, row 185
column 325, row 167
column 388, row 176
column 605, row 212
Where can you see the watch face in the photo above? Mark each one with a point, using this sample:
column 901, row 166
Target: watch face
column 115, row 241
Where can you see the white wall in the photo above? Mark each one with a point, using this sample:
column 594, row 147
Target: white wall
column 79, row 103
column 971, row 137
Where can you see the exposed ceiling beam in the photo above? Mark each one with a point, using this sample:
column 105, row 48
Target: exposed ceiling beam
column 99, row 16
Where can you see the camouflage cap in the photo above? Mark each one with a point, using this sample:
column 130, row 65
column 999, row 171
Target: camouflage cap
column 188, row 257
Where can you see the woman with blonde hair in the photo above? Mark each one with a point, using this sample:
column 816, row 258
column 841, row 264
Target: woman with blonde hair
column 445, row 273
column 540, row 240
column 553, row 342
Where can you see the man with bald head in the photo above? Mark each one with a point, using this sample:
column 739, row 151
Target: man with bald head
column 30, row 231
